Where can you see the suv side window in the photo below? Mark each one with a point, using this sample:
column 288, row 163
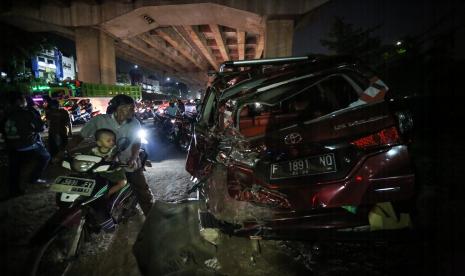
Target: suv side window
column 328, row 95
column 338, row 92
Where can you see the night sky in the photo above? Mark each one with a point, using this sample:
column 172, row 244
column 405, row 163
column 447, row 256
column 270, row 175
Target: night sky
column 397, row 19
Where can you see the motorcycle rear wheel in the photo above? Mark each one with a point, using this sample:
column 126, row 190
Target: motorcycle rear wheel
column 56, row 255
column 125, row 210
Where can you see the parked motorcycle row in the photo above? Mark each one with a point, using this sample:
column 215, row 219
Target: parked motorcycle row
column 144, row 110
column 176, row 129
column 80, row 111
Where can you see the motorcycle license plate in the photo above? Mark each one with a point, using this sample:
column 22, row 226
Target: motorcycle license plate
column 318, row 164
column 73, row 185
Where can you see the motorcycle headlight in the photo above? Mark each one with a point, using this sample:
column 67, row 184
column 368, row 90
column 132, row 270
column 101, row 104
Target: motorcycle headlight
column 142, row 134
column 82, row 165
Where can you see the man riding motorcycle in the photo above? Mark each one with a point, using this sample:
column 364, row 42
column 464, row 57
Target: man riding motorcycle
column 120, row 119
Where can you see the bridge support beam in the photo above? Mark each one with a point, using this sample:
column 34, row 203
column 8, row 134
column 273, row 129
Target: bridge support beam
column 95, row 52
column 278, row 38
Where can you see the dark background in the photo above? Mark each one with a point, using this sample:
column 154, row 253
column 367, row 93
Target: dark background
column 430, row 72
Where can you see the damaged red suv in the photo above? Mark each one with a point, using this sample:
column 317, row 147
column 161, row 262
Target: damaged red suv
column 289, row 145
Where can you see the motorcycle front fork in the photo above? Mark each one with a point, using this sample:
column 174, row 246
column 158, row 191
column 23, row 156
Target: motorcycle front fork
column 75, row 242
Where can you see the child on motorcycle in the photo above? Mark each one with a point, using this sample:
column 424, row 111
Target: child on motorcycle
column 105, row 139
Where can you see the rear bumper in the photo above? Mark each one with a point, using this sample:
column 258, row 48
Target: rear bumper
column 380, row 177
column 325, row 223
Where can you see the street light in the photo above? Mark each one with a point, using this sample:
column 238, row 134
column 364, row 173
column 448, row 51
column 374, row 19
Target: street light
column 135, row 66
column 168, row 79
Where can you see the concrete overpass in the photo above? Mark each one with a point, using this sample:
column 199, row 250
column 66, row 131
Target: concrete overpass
column 184, row 39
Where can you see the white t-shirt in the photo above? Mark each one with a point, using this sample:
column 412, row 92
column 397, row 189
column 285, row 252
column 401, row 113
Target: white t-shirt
column 127, row 130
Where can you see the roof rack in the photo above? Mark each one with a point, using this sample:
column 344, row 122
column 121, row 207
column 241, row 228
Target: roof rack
column 267, row 61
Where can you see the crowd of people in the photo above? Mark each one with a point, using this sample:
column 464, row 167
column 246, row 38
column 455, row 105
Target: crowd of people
column 21, row 127
column 22, row 122
column 177, row 106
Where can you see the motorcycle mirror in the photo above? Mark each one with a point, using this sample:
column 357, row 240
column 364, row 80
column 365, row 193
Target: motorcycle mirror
column 122, row 143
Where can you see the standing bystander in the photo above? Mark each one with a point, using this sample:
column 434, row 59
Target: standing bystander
column 21, row 129
column 181, row 106
column 59, row 127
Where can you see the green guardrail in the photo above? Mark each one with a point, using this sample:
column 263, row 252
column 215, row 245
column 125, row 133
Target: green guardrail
column 108, row 90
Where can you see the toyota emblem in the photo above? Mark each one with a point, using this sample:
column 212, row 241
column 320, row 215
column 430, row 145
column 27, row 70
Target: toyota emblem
column 293, row 138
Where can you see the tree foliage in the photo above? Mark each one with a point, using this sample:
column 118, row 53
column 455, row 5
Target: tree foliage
column 345, row 39
column 123, row 78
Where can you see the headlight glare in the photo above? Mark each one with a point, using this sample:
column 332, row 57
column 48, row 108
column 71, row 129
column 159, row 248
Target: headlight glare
column 142, row 134
column 82, row 165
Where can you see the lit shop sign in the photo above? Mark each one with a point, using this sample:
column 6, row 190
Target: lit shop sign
column 43, row 65
column 68, row 67
column 40, row 88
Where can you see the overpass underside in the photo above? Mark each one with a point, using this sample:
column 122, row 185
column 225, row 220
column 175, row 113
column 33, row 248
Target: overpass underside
column 183, row 39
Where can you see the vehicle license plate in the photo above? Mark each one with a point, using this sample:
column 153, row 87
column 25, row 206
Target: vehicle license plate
column 318, row 164
column 73, row 185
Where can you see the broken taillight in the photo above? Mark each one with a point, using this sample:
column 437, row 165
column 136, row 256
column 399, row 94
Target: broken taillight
column 243, row 186
column 388, row 136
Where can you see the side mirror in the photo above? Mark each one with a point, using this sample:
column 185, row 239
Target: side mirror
column 122, row 144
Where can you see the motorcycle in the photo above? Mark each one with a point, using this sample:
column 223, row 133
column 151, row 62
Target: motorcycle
column 184, row 129
column 170, row 128
column 79, row 116
column 176, row 129
column 158, row 119
column 144, row 113
column 79, row 197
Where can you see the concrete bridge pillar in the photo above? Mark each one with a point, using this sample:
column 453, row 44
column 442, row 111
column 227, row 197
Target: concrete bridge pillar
column 278, row 38
column 95, row 53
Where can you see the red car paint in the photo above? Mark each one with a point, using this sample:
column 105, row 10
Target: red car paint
column 266, row 164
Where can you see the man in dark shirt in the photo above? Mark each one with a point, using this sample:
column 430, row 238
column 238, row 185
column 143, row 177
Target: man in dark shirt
column 21, row 129
column 59, row 127
column 181, row 106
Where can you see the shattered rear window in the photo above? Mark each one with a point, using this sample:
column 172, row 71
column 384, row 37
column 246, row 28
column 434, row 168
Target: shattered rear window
column 296, row 103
